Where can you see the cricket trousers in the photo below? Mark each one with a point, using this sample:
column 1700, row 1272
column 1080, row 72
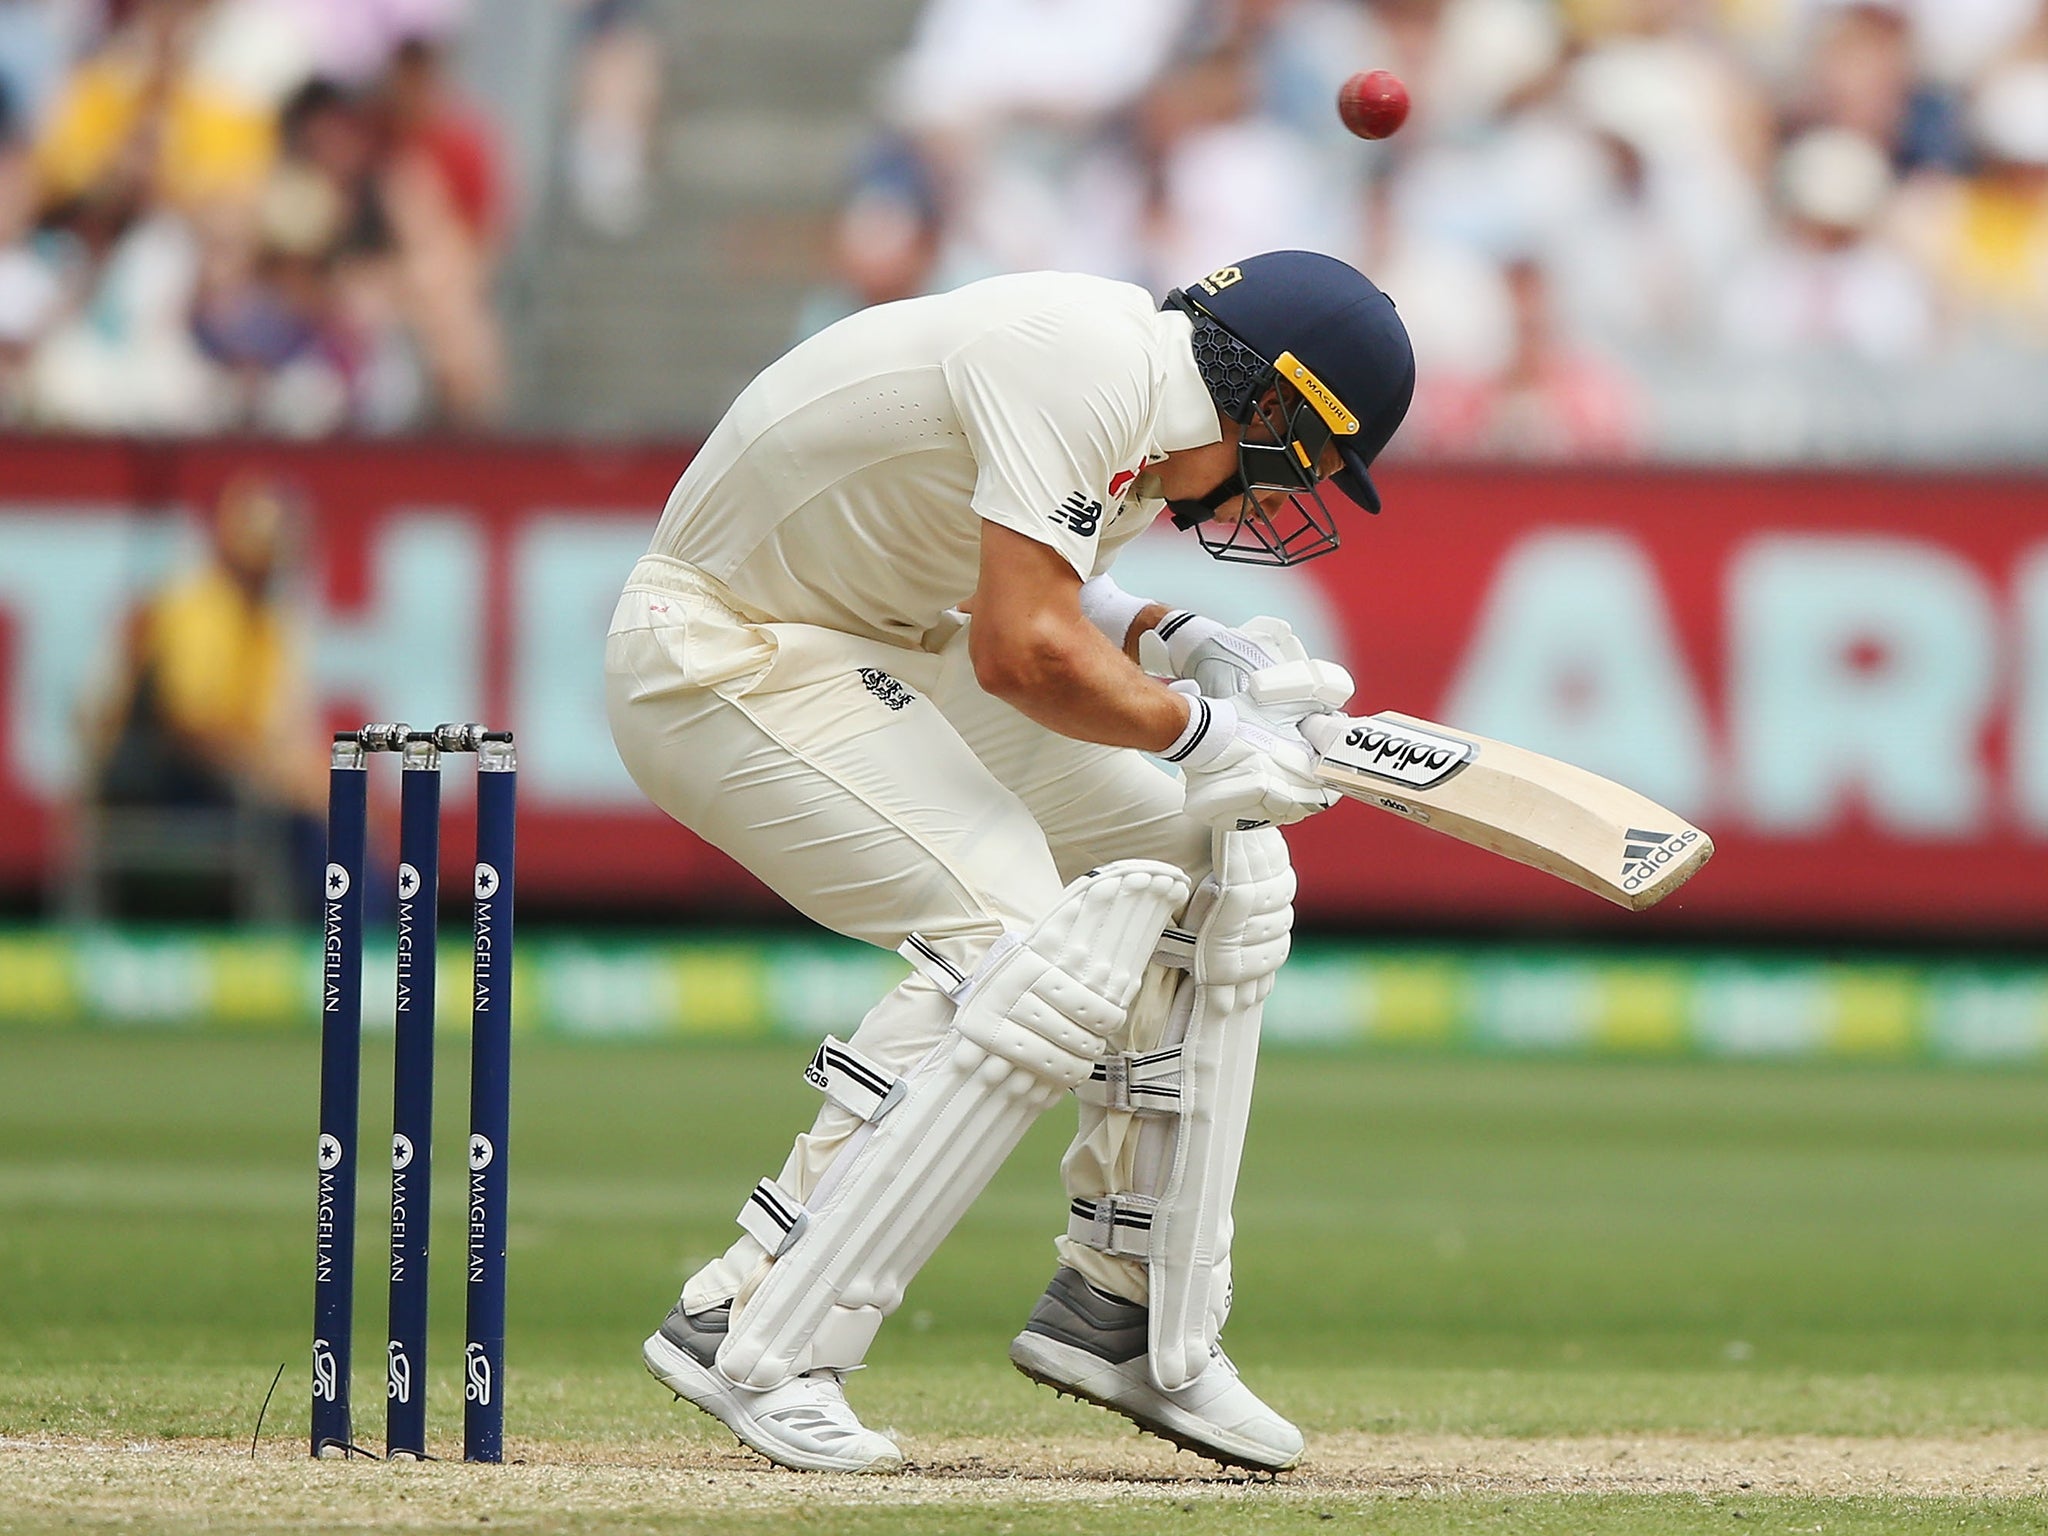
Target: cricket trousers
column 882, row 793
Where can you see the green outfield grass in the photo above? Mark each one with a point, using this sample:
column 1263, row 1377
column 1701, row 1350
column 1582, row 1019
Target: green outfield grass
column 1426, row 1248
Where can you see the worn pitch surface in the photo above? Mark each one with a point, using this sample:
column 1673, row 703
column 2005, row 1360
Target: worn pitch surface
column 1497, row 1295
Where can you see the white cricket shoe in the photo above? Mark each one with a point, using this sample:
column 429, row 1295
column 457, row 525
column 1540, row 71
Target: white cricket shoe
column 1092, row 1344
column 806, row 1423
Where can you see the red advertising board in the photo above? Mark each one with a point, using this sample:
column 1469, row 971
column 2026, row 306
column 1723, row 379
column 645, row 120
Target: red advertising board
column 1844, row 677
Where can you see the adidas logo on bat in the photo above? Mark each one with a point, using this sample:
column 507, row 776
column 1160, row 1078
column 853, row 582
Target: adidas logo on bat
column 1646, row 855
column 1401, row 753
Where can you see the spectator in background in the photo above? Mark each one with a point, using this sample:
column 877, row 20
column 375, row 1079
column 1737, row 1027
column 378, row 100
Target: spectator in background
column 257, row 320
column 351, row 42
column 1985, row 236
column 1954, row 41
column 885, row 241
column 234, row 247
column 435, row 129
column 1497, row 165
column 121, row 356
column 1678, row 94
column 141, row 121
column 209, row 708
column 1552, row 400
column 31, row 283
column 1302, row 51
column 1012, row 104
column 1635, row 265
column 1223, row 175
column 140, row 141
column 1825, row 281
column 443, row 191
column 617, row 99
column 1451, row 294
column 323, row 215
column 38, row 40
column 1863, row 73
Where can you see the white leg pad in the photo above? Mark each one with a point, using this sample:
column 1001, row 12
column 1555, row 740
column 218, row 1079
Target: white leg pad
column 1030, row 1025
column 1186, row 1164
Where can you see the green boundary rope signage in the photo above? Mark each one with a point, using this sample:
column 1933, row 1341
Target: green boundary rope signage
column 1499, row 1000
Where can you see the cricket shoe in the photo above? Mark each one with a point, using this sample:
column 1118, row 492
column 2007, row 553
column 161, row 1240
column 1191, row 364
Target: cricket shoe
column 1085, row 1341
column 805, row 1423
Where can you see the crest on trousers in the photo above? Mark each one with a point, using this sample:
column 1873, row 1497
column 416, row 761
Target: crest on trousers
column 885, row 687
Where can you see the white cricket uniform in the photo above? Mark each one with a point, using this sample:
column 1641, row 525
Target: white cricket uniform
column 787, row 673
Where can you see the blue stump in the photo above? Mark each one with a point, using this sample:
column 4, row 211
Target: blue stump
column 341, row 1031
column 483, row 1418
column 412, row 1095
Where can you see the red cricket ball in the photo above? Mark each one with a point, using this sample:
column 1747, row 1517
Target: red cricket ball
column 1373, row 103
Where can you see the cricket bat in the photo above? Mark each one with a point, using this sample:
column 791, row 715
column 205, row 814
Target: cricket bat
column 1549, row 815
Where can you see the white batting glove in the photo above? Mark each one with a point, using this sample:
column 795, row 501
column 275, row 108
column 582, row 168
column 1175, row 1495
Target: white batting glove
column 1242, row 771
column 1188, row 646
column 1226, row 662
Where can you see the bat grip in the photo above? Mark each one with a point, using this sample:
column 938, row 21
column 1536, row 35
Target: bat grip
column 1322, row 731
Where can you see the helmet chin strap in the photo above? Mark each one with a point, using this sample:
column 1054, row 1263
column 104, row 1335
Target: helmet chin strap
column 1200, row 509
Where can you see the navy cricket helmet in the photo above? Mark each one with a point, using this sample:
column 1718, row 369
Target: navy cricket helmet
column 1304, row 351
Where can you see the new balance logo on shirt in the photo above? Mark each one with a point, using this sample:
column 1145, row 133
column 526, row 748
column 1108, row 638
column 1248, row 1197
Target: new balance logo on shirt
column 1080, row 514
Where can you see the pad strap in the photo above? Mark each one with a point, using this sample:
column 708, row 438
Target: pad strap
column 945, row 974
column 773, row 1217
column 1120, row 1224
column 853, row 1082
column 1176, row 950
column 1135, row 1080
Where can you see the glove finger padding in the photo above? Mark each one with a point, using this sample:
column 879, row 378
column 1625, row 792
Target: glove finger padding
column 1276, row 637
column 1256, row 792
column 1262, row 658
column 1259, row 779
column 1287, row 691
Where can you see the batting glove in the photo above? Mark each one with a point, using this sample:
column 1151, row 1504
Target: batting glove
column 1225, row 663
column 1243, row 771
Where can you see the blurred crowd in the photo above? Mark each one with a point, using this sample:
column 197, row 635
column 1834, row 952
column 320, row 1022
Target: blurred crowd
column 1585, row 187
column 277, row 216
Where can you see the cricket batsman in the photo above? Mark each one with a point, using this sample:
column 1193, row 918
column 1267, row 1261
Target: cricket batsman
column 874, row 654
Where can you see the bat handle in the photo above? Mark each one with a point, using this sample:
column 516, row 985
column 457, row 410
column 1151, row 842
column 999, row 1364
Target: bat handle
column 1322, row 731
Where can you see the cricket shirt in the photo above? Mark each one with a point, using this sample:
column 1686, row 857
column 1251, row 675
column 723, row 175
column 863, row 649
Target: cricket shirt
column 847, row 485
